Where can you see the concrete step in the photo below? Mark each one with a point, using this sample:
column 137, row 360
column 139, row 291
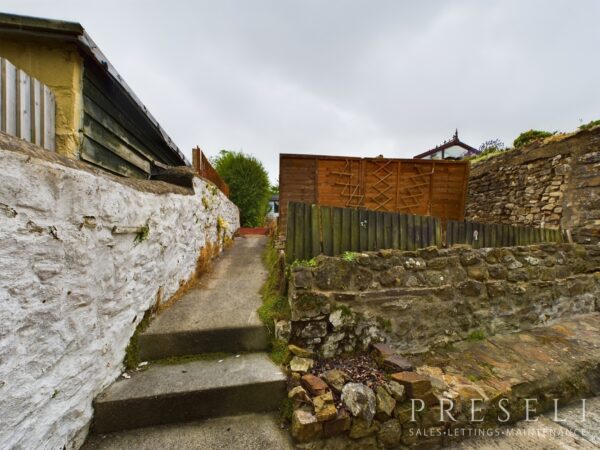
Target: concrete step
column 244, row 432
column 195, row 390
column 219, row 314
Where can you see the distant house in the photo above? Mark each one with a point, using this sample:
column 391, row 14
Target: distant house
column 452, row 149
column 273, row 212
column 98, row 118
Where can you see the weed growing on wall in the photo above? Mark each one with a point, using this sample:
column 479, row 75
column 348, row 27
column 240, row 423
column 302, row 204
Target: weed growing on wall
column 530, row 136
column 142, row 234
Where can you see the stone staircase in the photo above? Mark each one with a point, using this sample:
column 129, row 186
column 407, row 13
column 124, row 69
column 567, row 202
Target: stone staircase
column 207, row 359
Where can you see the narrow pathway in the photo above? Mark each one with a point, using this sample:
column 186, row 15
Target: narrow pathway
column 237, row 391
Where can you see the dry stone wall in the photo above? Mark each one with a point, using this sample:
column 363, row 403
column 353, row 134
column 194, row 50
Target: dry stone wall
column 436, row 296
column 73, row 289
column 556, row 184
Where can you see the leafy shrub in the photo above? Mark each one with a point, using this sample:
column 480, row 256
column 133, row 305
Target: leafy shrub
column 590, row 125
column 249, row 185
column 527, row 137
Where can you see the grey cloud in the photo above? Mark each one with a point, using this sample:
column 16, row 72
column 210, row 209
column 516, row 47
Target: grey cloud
column 348, row 77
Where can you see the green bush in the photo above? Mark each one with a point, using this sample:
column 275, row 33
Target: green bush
column 590, row 125
column 527, row 137
column 249, row 186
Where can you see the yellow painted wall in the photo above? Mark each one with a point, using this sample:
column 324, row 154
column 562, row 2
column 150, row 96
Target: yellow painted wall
column 60, row 67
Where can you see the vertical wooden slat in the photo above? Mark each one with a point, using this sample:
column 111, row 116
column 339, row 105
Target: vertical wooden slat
column 476, row 235
column 23, row 105
column 346, row 231
column 9, row 98
column 363, row 233
column 299, row 231
column 418, row 243
column 395, row 230
column 410, row 232
column 354, row 230
column 372, row 230
column 379, row 234
column 307, row 231
column 315, row 230
column 336, row 220
column 49, row 121
column 461, row 232
column 469, row 233
column 289, row 236
column 387, row 230
column 431, row 231
column 438, row 232
column 402, row 221
column 35, row 108
column 327, row 230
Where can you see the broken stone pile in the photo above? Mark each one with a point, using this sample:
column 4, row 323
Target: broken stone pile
column 332, row 410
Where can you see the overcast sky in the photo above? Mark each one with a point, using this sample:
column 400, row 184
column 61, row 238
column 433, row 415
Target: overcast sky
column 347, row 77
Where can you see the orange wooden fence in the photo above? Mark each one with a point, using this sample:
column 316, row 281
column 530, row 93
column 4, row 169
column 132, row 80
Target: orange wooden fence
column 411, row 186
column 203, row 168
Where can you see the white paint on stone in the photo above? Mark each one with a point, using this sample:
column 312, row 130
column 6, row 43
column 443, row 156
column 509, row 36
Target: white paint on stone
column 72, row 292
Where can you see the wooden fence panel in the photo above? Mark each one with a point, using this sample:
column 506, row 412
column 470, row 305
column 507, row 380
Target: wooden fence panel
column 27, row 107
column 313, row 230
column 480, row 235
column 204, row 168
column 409, row 186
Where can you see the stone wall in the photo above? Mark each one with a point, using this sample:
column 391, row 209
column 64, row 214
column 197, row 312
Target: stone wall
column 555, row 184
column 73, row 287
column 436, row 296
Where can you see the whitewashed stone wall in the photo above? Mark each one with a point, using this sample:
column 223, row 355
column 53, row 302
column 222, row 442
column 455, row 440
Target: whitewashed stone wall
column 72, row 292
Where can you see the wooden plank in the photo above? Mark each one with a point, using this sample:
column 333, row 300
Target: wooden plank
column 49, row 122
column 354, row 230
column 461, row 232
column 469, row 233
column 403, row 229
column 363, row 233
column 420, row 226
column 438, row 232
column 379, row 231
column 387, row 230
column 494, row 236
column 36, row 112
column 299, row 232
column 395, row 217
column 106, row 120
column 23, row 105
column 372, row 230
column 336, row 220
column 99, row 156
column 327, row 230
column 289, row 235
column 346, row 231
column 410, row 232
column 307, row 234
column 103, row 137
column 476, row 235
column 9, row 98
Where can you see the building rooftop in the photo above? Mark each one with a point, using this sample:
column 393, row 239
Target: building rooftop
column 73, row 32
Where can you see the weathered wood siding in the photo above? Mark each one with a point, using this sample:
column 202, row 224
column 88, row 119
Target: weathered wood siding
column 418, row 187
column 116, row 134
column 27, row 107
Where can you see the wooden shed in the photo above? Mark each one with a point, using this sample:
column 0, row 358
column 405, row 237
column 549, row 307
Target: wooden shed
column 413, row 186
column 99, row 119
